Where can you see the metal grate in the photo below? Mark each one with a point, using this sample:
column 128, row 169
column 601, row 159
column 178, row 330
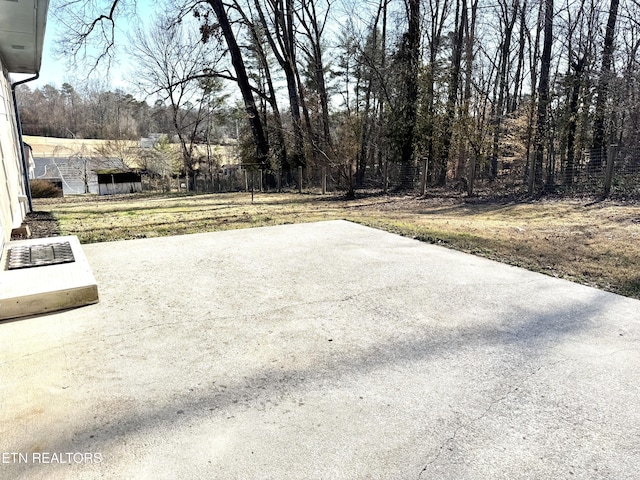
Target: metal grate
column 40, row 255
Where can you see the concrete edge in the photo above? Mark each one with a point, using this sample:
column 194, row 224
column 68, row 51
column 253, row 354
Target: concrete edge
column 41, row 290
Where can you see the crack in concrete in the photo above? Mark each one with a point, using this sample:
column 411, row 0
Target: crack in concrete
column 62, row 345
column 31, row 354
column 334, row 300
column 485, row 413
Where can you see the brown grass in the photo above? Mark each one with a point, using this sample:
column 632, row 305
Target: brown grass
column 597, row 244
column 66, row 147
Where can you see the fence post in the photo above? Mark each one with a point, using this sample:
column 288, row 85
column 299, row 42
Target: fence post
column 253, row 181
column 608, row 177
column 385, row 174
column 532, row 173
column 300, row 179
column 246, row 181
column 324, row 180
column 472, row 174
column 423, row 179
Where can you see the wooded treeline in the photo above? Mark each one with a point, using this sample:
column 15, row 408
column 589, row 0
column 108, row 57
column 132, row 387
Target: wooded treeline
column 97, row 112
column 89, row 113
column 534, row 89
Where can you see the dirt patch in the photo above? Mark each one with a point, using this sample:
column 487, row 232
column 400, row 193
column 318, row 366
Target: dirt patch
column 42, row 224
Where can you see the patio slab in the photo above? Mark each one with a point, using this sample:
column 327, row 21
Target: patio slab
column 321, row 351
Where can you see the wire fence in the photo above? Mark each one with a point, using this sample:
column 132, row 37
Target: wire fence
column 613, row 172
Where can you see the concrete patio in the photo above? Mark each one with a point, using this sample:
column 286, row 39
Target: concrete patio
column 321, row 351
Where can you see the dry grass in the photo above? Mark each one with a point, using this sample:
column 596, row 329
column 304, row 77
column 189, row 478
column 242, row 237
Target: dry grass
column 66, row 147
column 596, row 244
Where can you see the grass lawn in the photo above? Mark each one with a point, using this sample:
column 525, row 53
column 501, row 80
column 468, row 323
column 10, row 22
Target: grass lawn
column 594, row 243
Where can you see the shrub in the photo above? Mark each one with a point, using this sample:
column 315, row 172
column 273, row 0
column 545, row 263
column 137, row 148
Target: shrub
column 44, row 189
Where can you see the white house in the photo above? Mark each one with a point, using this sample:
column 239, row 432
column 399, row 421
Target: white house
column 22, row 27
column 36, row 275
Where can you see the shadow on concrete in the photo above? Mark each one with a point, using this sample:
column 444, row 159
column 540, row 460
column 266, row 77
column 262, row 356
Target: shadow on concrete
column 524, row 332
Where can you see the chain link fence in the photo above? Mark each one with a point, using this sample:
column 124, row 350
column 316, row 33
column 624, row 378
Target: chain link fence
column 613, row 172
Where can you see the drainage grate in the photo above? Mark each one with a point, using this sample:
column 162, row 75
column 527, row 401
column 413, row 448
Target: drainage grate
column 40, row 255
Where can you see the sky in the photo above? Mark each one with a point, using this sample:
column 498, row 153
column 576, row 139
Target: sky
column 52, row 70
column 56, row 71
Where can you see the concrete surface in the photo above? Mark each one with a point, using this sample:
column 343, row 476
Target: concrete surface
column 321, row 351
column 34, row 291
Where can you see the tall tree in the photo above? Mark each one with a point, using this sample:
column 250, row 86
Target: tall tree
column 370, row 61
column 535, row 176
column 598, row 144
column 405, row 108
column 470, row 37
column 172, row 64
column 579, row 54
column 259, row 48
column 279, row 29
column 518, row 77
column 454, row 86
column 437, row 16
column 313, row 23
column 508, row 16
column 253, row 115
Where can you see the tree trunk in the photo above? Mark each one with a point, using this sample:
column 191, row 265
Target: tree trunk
column 314, row 31
column 461, row 20
column 598, row 144
column 412, row 45
column 278, row 147
column 543, row 99
column 363, row 155
column 533, row 66
column 470, row 33
column 367, row 129
column 283, row 48
column 438, row 13
column 501, row 80
column 578, row 69
column 381, row 151
column 253, row 116
column 517, row 81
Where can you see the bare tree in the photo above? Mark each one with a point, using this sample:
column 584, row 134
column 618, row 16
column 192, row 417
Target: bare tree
column 313, row 22
column 508, row 16
column 88, row 36
column 603, row 84
column 535, row 175
column 579, row 52
column 259, row 48
column 253, row 116
column 437, row 13
column 172, row 64
column 277, row 18
column 454, row 86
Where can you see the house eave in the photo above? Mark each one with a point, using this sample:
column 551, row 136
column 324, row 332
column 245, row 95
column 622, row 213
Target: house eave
column 22, row 28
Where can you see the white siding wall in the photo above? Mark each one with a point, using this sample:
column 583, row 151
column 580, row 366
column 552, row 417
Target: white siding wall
column 12, row 211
